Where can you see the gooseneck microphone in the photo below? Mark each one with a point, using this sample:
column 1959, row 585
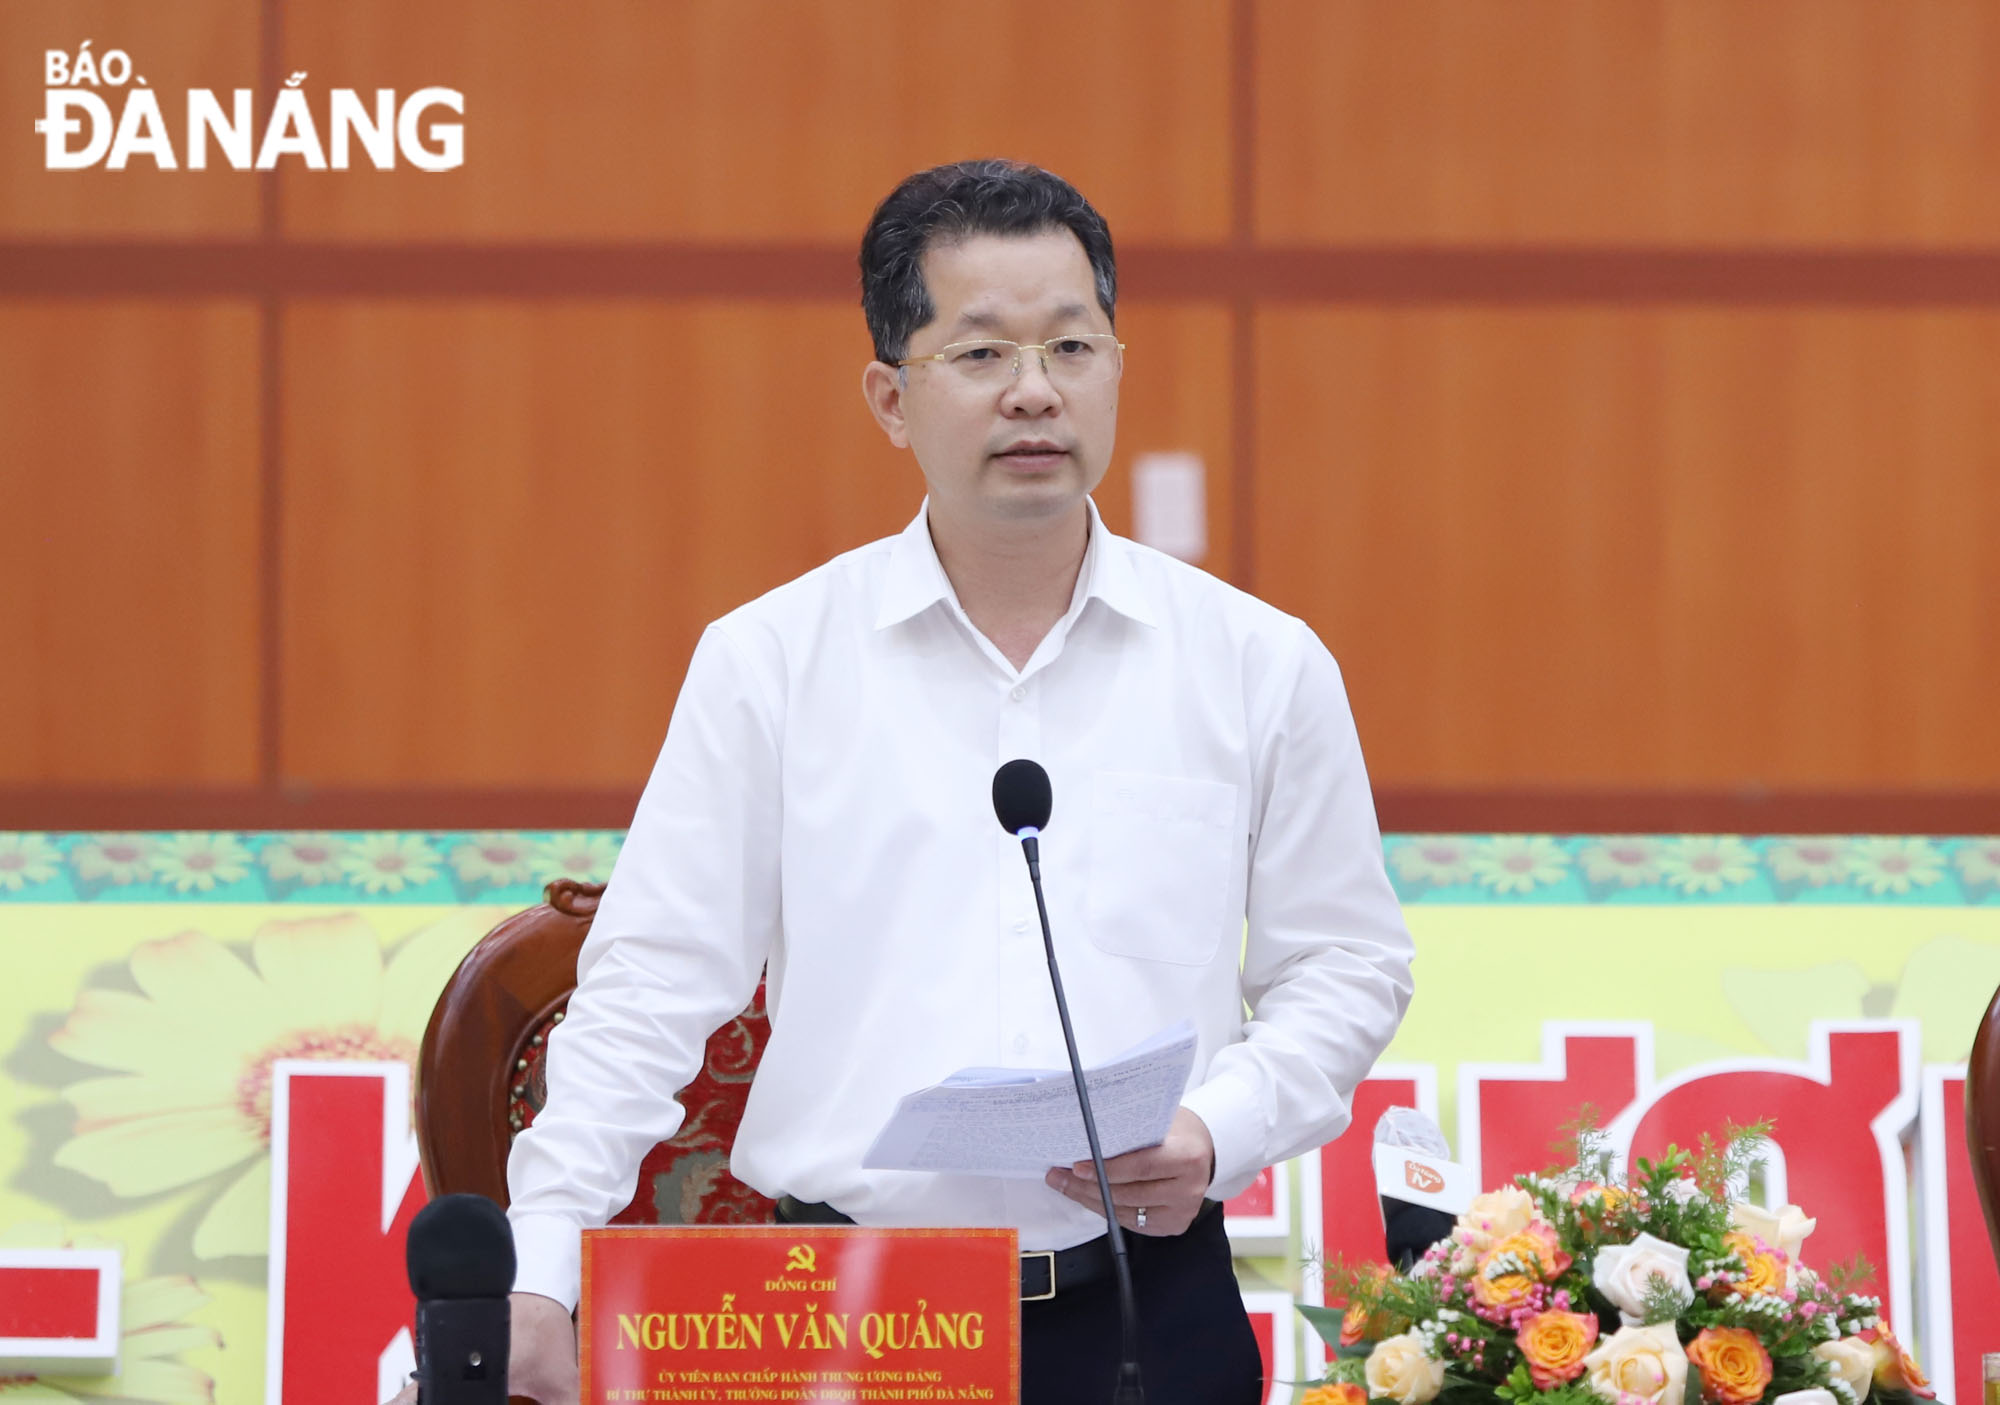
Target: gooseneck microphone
column 460, row 1256
column 1023, row 800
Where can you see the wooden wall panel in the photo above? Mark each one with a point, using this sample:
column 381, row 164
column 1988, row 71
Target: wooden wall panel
column 506, row 525
column 1176, row 396
column 1651, row 122
column 1644, row 549
column 128, row 547
column 188, row 44
column 784, row 121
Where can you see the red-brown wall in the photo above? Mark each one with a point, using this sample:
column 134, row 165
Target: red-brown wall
column 1615, row 387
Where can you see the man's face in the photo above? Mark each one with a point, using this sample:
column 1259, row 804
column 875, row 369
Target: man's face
column 1005, row 447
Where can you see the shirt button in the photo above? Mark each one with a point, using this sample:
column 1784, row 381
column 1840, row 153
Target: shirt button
column 1020, row 1043
column 1018, row 693
column 1021, row 927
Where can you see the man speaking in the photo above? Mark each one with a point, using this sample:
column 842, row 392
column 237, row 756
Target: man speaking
column 819, row 810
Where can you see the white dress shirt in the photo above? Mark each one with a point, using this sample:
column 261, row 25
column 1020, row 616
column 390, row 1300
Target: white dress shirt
column 822, row 807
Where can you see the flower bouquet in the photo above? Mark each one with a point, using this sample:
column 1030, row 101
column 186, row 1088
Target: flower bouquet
column 1571, row 1289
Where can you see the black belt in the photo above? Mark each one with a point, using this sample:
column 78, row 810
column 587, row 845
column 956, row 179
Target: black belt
column 1044, row 1272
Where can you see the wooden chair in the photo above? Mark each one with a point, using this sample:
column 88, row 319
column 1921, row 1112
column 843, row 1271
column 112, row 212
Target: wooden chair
column 1982, row 1117
column 481, row 1079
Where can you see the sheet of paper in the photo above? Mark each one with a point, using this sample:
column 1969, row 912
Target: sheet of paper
column 1017, row 1123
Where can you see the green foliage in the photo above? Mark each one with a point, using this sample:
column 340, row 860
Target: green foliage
column 1519, row 1387
column 1849, row 1275
column 1465, row 1390
column 1324, row 1320
column 1350, row 1366
column 1663, row 1303
column 1718, row 1166
column 1584, row 1148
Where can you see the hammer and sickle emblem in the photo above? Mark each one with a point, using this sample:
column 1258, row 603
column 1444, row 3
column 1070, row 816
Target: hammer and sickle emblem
column 801, row 1259
column 1422, row 1177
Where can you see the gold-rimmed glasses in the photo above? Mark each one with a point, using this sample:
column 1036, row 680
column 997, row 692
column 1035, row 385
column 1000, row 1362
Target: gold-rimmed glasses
column 1080, row 359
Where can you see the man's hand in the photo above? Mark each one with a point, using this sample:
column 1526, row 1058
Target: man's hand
column 1167, row 1181
column 541, row 1361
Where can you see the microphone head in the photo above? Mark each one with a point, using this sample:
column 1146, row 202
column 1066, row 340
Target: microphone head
column 460, row 1246
column 1422, row 1189
column 1021, row 796
column 1407, row 1127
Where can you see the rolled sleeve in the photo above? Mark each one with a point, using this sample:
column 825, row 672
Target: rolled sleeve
column 676, row 949
column 1327, row 956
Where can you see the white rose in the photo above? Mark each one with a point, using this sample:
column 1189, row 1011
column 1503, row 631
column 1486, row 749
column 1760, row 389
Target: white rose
column 1398, row 1369
column 1624, row 1272
column 1493, row 1216
column 1683, row 1190
column 1784, row 1231
column 1812, row 1395
column 1644, row 1361
column 1853, row 1363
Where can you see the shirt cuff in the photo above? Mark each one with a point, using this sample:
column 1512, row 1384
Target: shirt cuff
column 1232, row 1112
column 548, row 1257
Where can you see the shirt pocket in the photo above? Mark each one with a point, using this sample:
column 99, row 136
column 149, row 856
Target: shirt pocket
column 1160, row 865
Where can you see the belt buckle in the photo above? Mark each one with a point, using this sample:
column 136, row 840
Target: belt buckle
column 1050, row 1255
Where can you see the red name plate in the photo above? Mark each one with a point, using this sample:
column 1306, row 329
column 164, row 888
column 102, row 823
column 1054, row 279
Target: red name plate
column 800, row 1314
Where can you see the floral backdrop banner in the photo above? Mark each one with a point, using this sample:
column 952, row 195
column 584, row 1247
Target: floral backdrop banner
column 159, row 986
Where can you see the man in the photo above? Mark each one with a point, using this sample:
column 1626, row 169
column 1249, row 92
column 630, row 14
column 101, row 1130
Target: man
column 820, row 808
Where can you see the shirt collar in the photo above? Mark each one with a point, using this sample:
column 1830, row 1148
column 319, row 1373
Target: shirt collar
column 915, row 579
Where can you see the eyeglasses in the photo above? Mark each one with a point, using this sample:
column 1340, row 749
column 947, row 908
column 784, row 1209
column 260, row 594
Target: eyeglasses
column 1082, row 360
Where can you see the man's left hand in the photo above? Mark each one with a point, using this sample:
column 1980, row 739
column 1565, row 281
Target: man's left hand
column 1167, row 1181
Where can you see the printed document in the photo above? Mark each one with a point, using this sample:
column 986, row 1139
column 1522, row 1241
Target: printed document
column 1018, row 1122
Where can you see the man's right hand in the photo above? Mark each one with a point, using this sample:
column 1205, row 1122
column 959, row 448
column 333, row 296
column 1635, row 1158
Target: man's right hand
column 541, row 1364
column 541, row 1361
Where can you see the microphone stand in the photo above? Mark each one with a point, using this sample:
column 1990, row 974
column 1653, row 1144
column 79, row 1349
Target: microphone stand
column 1129, row 1390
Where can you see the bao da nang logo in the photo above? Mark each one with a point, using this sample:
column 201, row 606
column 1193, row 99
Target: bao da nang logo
column 97, row 110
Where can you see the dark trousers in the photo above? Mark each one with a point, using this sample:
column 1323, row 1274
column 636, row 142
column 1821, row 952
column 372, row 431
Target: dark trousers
column 1196, row 1346
column 1195, row 1342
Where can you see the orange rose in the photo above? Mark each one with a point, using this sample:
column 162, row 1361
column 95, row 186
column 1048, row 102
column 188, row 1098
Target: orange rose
column 1895, row 1368
column 1505, row 1291
column 1538, row 1249
column 1735, row 1368
column 1766, row 1270
column 1554, row 1344
column 1336, row 1393
column 1509, row 1271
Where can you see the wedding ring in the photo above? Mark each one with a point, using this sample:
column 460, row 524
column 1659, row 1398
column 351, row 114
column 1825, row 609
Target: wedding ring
column 1139, row 1218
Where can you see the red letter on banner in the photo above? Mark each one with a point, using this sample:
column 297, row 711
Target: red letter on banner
column 1274, row 1321
column 344, row 1187
column 1340, row 1216
column 1350, row 1213
column 1510, row 1116
column 1961, row 1284
column 1838, row 1123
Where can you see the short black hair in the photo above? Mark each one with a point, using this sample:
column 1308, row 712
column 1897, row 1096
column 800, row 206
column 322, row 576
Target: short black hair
column 948, row 203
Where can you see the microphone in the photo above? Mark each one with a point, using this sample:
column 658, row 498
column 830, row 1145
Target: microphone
column 1422, row 1188
column 460, row 1256
column 1023, row 799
